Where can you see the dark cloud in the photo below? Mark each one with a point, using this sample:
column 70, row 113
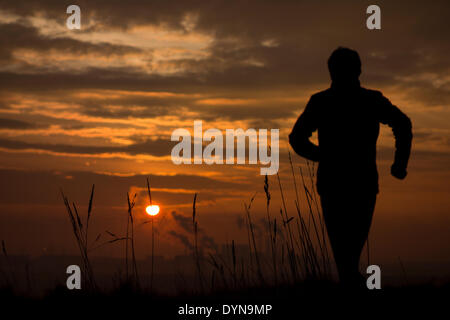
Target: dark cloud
column 187, row 226
column 42, row 187
column 183, row 221
column 109, row 13
column 17, row 124
column 17, row 36
column 151, row 147
column 208, row 242
column 303, row 41
column 44, row 121
column 182, row 238
column 159, row 147
column 157, row 107
column 254, row 16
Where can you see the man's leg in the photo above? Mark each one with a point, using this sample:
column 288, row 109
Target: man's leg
column 348, row 222
column 363, row 213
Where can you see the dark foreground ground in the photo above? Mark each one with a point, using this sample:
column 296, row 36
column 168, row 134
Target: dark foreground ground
column 304, row 301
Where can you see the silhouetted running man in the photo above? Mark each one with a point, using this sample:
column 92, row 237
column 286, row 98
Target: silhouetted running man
column 347, row 118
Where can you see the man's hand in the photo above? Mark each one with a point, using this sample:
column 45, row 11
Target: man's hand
column 398, row 171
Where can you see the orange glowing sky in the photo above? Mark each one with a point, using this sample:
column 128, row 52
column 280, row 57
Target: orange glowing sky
column 98, row 106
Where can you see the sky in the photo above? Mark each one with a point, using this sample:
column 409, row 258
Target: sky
column 98, row 106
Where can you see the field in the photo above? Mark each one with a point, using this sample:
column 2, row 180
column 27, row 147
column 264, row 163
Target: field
column 294, row 275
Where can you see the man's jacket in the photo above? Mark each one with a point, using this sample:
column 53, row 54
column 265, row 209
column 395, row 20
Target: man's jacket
column 348, row 122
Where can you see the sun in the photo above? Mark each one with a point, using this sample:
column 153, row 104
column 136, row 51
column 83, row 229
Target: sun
column 152, row 210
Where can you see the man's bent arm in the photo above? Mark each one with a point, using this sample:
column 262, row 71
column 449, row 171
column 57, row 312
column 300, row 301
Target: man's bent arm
column 304, row 127
column 402, row 129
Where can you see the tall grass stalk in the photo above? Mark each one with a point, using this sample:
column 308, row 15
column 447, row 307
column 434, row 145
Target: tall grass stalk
column 131, row 204
column 252, row 233
column 196, row 251
column 81, row 236
column 272, row 238
column 153, row 236
column 288, row 230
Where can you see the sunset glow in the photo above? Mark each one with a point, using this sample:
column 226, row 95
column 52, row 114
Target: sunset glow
column 98, row 106
column 152, row 210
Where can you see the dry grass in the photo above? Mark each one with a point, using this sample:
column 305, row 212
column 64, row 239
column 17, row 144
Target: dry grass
column 133, row 277
column 81, row 237
column 297, row 248
column 153, row 236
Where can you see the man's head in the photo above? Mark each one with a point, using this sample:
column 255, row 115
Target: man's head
column 344, row 65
